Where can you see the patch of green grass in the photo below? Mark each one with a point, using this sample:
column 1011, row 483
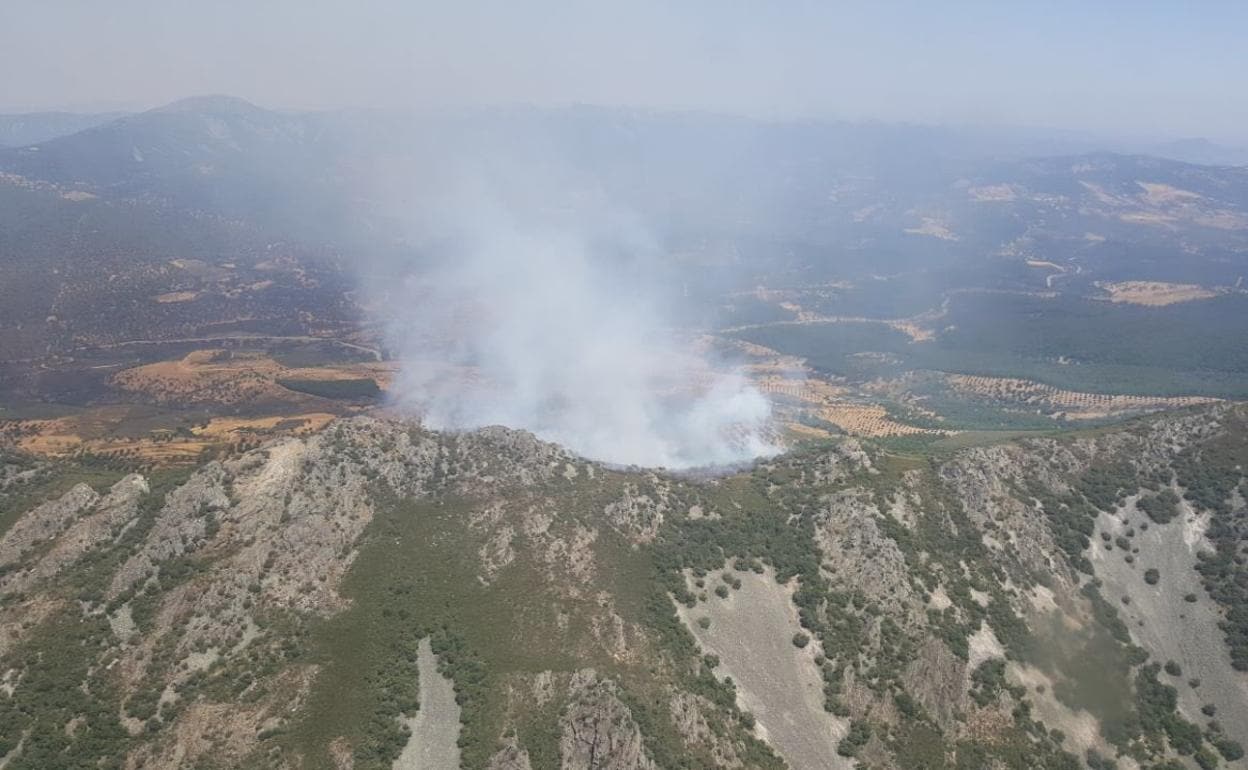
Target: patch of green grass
column 978, row 438
column 350, row 390
column 1092, row 671
column 538, row 731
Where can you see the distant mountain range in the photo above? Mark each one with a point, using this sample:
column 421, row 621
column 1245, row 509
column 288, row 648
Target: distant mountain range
column 906, row 214
column 1201, row 151
column 345, row 175
column 34, row 127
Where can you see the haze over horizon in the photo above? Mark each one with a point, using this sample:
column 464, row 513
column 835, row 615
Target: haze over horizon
column 1138, row 70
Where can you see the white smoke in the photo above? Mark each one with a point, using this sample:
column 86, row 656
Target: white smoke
column 551, row 322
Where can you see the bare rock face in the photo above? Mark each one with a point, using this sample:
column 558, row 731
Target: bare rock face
column 599, row 732
column 97, row 523
column 510, row 757
column 638, row 514
column 844, row 458
column 435, row 726
column 937, row 678
column 179, row 525
column 45, row 522
column 750, row 634
column 864, row 557
column 485, row 458
column 689, row 719
column 988, row 482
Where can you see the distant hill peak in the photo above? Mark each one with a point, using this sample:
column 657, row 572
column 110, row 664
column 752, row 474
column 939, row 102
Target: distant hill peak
column 212, row 103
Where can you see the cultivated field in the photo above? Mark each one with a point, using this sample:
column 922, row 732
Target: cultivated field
column 869, row 420
column 833, row 403
column 1066, row 403
column 1155, row 293
column 229, row 378
column 934, row 228
column 140, row 435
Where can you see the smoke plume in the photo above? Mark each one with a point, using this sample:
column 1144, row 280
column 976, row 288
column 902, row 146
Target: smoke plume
column 537, row 304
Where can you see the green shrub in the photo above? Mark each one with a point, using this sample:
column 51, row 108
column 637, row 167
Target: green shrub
column 906, row 705
column 1206, row 758
column 1161, row 507
column 1229, row 749
column 857, row 737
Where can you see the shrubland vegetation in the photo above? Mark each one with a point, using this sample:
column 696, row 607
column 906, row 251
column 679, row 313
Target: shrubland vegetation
column 64, row 678
column 417, row 575
column 1067, row 342
column 775, row 526
column 1213, row 476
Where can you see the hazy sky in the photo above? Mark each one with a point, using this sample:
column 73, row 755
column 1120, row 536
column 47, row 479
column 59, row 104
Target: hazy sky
column 1139, row 67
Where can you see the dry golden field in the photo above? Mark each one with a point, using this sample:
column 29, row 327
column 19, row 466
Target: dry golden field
column 176, row 296
column 788, row 378
column 230, row 378
column 190, row 405
column 1155, row 293
column 934, row 228
column 111, row 432
column 868, row 420
column 809, row 389
column 831, row 403
column 1045, row 263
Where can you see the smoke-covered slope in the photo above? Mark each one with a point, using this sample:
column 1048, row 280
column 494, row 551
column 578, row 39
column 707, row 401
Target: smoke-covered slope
column 1051, row 603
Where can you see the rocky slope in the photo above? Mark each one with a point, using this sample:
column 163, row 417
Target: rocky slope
column 1057, row 602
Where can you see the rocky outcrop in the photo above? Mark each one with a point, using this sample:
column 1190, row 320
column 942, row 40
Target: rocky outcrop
column 599, row 732
column 510, row 757
column 689, row 718
column 864, row 558
column 45, row 522
column 637, row 514
column 98, row 523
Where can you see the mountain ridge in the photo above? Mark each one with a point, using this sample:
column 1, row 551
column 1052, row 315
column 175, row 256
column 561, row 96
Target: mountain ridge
column 312, row 567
